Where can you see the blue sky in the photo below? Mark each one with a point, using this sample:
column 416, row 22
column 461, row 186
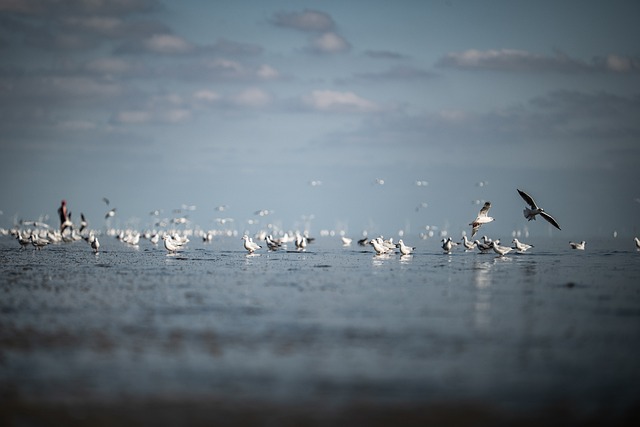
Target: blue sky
column 246, row 104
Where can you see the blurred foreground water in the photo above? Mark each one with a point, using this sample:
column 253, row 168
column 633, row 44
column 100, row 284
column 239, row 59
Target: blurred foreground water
column 330, row 329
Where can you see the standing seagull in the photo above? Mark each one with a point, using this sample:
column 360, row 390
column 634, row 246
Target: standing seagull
column 579, row 246
column 482, row 218
column 404, row 249
column 535, row 210
column 249, row 244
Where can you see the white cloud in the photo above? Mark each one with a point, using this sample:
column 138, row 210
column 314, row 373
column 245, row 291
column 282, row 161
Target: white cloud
column 266, row 72
column 513, row 60
column 308, row 20
column 334, row 101
column 329, row 43
column 206, row 95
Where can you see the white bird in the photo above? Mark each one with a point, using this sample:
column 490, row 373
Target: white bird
column 533, row 210
column 155, row 239
column 249, row 244
column 579, row 246
column 170, row 244
column 500, row 250
column 346, row 241
column 482, row 218
column 521, row 247
column 37, row 241
column 24, row 241
column 404, row 249
column 110, row 214
column 468, row 245
column 93, row 242
column 379, row 246
column 301, row 242
column 637, row 243
column 448, row 244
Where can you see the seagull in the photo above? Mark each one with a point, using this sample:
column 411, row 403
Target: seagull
column 272, row 245
column 170, row 244
column 530, row 213
column 93, row 241
column 483, row 247
column 379, row 246
column 521, row 247
column 404, row 249
column 448, row 244
column 38, row 242
column 500, row 250
column 301, row 242
column 637, row 243
column 346, row 241
column 110, row 214
column 579, row 246
column 482, row 218
column 249, row 244
column 83, row 222
column 468, row 245
column 24, row 241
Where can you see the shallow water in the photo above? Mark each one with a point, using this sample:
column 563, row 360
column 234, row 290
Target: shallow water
column 332, row 324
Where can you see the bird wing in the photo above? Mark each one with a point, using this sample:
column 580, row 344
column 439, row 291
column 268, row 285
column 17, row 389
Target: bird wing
column 475, row 228
column 550, row 219
column 485, row 209
column 527, row 198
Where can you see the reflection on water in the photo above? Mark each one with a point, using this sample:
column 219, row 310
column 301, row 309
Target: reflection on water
column 482, row 304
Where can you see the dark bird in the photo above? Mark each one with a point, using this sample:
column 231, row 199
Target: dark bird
column 533, row 210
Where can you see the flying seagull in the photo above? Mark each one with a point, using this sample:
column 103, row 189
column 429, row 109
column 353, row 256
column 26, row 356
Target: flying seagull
column 535, row 210
column 482, row 218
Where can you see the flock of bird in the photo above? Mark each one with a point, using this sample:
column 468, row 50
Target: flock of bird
column 175, row 242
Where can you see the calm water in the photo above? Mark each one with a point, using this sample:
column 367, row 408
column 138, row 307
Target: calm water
column 331, row 324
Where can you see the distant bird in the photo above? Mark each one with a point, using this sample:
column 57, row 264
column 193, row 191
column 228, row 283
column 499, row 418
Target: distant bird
column 533, row 210
column 301, row 242
column 272, row 245
column 521, row 247
column 38, row 242
column 110, row 214
column 637, row 243
column 579, row 246
column 404, row 249
column 93, row 242
column 468, row 245
column 379, row 246
column 363, row 242
column 448, row 244
column 481, row 219
column 170, row 244
column 249, row 244
column 104, row 199
column 346, row 241
column 483, row 247
column 24, row 241
column 500, row 250
column 83, row 222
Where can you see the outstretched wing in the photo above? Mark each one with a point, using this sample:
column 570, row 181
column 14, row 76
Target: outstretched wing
column 527, row 198
column 550, row 219
column 485, row 209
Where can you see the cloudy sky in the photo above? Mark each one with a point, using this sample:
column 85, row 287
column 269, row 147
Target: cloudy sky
column 304, row 108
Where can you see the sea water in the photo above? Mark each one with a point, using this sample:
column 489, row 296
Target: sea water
column 330, row 324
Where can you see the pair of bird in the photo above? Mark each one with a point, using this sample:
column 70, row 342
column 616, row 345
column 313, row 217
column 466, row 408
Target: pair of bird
column 529, row 213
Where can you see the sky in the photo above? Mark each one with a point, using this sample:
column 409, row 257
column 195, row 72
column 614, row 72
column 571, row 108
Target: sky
column 362, row 115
